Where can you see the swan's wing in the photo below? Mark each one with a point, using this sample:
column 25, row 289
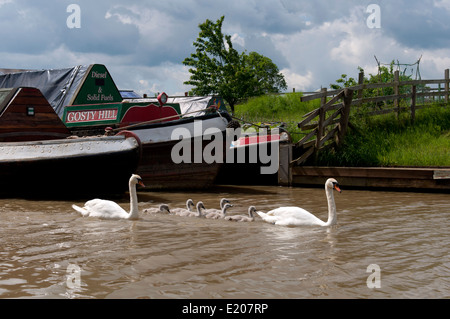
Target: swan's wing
column 81, row 210
column 213, row 211
column 293, row 216
column 152, row 210
column 236, row 218
column 104, row 209
column 287, row 211
column 268, row 218
column 213, row 215
column 180, row 211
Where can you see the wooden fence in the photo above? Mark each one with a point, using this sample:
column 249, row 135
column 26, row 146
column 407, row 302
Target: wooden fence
column 326, row 126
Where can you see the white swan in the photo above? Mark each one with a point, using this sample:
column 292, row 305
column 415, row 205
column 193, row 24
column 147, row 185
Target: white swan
column 189, row 205
column 296, row 216
column 110, row 210
column 223, row 201
column 218, row 215
column 187, row 213
column 163, row 208
column 242, row 218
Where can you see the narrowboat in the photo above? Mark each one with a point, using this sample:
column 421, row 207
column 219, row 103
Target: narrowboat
column 88, row 102
column 39, row 156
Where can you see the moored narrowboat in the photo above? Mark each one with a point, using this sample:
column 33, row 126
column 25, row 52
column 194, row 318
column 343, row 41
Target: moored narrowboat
column 88, row 101
column 40, row 157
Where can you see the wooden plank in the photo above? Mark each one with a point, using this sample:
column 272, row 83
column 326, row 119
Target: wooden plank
column 377, row 183
column 329, row 120
column 366, row 172
column 333, row 100
column 309, row 144
column 306, row 138
column 309, row 118
column 425, row 94
column 307, row 127
column 382, row 98
column 284, row 171
column 441, row 174
column 329, row 135
column 319, row 95
column 304, row 157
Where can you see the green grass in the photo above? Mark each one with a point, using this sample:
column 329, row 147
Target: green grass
column 286, row 108
column 383, row 140
column 388, row 141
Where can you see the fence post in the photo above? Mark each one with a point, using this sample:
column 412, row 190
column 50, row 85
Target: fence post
column 446, row 85
column 413, row 103
column 360, row 91
column 345, row 114
column 360, row 82
column 323, row 101
column 396, row 90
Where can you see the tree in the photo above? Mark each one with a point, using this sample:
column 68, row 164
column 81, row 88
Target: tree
column 217, row 68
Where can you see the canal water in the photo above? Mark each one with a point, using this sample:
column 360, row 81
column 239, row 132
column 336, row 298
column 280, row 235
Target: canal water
column 386, row 245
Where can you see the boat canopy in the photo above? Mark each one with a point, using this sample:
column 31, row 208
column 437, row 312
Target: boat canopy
column 192, row 105
column 82, row 84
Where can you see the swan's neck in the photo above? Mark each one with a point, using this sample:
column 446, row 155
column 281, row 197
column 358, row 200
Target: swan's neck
column 199, row 211
column 134, row 212
column 331, row 207
column 224, row 211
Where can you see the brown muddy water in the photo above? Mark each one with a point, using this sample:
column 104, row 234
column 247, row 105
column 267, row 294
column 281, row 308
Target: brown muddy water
column 386, row 245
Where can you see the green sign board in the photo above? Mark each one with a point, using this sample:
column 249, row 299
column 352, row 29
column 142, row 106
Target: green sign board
column 98, row 87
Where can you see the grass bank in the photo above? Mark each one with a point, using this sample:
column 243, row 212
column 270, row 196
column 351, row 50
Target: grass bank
column 390, row 141
column 382, row 140
column 283, row 108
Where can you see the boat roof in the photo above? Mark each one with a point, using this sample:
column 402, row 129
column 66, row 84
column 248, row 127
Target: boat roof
column 82, row 84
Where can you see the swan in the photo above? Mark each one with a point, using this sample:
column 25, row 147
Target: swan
column 187, row 213
column 223, row 201
column 219, row 215
column 107, row 209
column 242, row 218
column 296, row 216
column 163, row 208
column 189, row 205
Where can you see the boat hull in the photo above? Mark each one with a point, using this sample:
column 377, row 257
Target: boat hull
column 68, row 168
column 157, row 167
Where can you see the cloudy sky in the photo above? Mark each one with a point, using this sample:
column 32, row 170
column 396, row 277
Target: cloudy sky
column 143, row 43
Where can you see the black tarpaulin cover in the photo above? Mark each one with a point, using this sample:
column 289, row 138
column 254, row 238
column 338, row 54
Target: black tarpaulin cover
column 57, row 85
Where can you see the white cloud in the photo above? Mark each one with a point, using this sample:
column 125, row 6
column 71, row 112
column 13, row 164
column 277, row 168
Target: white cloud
column 236, row 38
column 297, row 81
column 143, row 43
column 2, row 2
column 442, row 4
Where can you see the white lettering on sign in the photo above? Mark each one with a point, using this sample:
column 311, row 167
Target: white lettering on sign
column 98, row 75
column 99, row 97
column 91, row 115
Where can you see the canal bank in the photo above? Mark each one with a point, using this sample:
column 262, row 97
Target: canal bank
column 392, row 178
column 436, row 179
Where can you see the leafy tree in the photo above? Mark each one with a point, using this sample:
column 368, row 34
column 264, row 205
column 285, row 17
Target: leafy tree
column 217, row 68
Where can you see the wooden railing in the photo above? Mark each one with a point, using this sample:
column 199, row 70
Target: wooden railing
column 327, row 125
